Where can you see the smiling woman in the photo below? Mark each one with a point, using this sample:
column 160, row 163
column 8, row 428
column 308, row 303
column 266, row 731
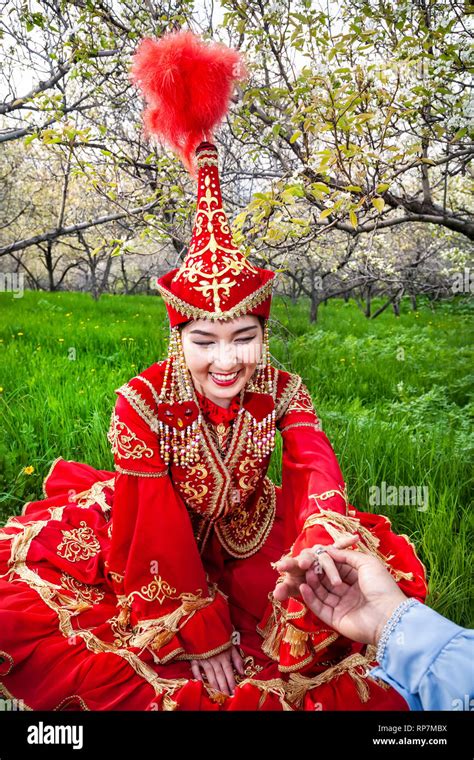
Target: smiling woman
column 222, row 356
column 154, row 587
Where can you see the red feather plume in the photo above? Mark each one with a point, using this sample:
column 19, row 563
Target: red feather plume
column 187, row 85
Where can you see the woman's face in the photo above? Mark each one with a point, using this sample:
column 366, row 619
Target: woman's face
column 222, row 356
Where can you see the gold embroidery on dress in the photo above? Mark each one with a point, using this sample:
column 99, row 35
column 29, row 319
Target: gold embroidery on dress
column 156, row 590
column 139, row 405
column 315, row 425
column 48, row 593
column 243, row 532
column 301, row 401
column 85, row 591
column 291, row 387
column 124, row 442
column 195, row 493
column 329, row 494
column 160, row 474
column 78, row 543
column 221, row 435
column 117, row 577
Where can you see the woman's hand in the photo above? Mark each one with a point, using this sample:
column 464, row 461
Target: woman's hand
column 219, row 670
column 295, row 568
column 360, row 606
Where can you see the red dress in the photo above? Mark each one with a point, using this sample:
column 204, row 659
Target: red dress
column 114, row 581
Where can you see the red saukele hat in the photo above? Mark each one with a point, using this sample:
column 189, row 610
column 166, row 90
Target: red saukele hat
column 188, row 85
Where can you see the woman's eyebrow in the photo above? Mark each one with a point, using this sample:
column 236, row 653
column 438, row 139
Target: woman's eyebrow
column 212, row 335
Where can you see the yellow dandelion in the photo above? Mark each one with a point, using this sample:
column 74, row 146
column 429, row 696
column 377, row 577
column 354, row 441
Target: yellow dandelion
column 28, row 470
column 1, row 389
column 61, row 340
column 20, row 333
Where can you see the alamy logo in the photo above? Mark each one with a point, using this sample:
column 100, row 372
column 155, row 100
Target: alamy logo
column 46, row 734
column 399, row 496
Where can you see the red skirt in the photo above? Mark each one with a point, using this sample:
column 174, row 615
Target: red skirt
column 62, row 648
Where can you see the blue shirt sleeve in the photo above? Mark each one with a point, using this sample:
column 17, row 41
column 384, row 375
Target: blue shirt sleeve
column 429, row 660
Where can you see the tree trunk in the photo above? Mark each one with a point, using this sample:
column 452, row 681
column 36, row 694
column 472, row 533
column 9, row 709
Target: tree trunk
column 315, row 301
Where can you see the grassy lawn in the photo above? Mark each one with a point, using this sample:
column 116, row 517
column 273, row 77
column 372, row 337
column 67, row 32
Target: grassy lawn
column 394, row 397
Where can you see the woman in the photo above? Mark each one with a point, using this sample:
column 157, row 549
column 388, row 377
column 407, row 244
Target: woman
column 153, row 588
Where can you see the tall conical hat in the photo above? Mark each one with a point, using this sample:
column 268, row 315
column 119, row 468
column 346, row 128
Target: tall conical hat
column 188, row 84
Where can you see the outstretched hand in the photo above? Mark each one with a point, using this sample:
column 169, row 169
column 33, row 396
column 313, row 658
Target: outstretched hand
column 295, row 568
column 359, row 606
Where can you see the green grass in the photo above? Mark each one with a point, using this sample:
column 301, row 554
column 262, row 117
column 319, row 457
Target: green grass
column 394, row 396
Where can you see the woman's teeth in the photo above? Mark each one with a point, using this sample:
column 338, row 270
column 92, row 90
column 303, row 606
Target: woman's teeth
column 224, row 378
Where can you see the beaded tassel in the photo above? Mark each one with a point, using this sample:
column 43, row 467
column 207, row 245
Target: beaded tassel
column 261, row 442
column 179, row 446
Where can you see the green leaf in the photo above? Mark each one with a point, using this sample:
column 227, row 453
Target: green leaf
column 295, row 190
column 320, row 187
column 353, row 218
column 295, row 136
column 460, row 133
column 382, row 187
column 353, row 188
column 325, row 213
column 379, row 204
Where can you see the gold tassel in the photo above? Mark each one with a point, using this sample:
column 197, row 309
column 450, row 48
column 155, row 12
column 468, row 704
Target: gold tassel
column 299, row 685
column 272, row 686
column 123, row 618
column 297, row 639
column 76, row 605
column 169, row 704
column 272, row 641
column 157, row 633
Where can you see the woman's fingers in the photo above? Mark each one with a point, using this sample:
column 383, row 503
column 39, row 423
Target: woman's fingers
column 210, row 675
column 286, row 565
column 228, row 673
column 329, row 567
column 221, row 676
column 305, row 559
column 195, row 670
column 237, row 661
column 282, row 591
column 347, row 540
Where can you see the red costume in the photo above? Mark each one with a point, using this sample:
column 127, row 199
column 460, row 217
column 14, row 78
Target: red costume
column 113, row 582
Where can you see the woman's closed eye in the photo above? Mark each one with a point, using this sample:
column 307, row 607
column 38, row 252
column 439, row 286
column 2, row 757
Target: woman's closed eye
column 240, row 340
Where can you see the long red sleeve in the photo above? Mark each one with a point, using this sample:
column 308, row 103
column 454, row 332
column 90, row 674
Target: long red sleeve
column 154, row 563
column 318, row 512
column 312, row 480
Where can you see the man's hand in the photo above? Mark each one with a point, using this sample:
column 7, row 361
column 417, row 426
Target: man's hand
column 361, row 604
column 219, row 670
column 295, row 568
